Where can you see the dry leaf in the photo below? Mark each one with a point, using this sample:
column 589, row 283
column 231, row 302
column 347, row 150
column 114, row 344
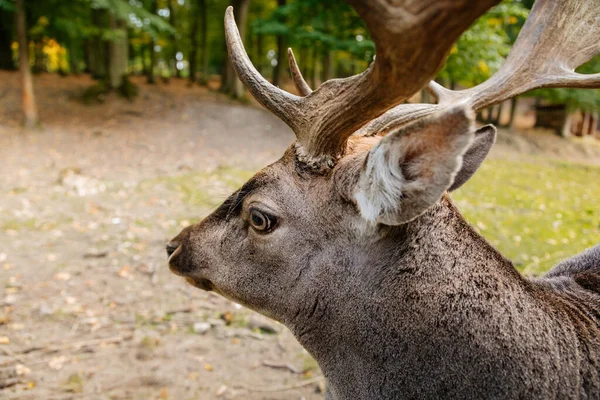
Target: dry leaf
column 164, row 394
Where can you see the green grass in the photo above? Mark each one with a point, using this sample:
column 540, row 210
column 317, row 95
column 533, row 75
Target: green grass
column 203, row 189
column 536, row 212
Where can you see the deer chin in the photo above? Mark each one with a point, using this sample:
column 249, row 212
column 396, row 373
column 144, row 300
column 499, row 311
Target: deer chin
column 200, row 283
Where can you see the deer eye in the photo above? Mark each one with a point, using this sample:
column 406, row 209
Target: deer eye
column 261, row 221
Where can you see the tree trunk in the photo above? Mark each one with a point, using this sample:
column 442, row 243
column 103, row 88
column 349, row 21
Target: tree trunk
column 118, row 56
column 27, row 96
column 593, row 124
column 327, row 72
column 260, row 54
column 281, row 54
column 585, row 123
column 6, row 37
column 204, row 59
column 98, row 49
column 498, row 115
column 513, row 111
column 313, row 67
column 195, row 24
column 566, row 128
column 232, row 84
column 150, row 76
column 173, row 22
column 144, row 53
column 303, row 61
column 73, row 57
column 39, row 60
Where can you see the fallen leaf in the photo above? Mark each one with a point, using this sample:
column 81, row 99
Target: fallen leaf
column 164, row 394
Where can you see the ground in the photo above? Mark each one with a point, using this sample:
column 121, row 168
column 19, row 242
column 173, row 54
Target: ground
column 88, row 201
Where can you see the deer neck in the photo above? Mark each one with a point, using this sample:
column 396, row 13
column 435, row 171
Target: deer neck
column 388, row 304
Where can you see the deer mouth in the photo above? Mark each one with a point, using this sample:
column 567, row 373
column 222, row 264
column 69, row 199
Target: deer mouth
column 200, row 283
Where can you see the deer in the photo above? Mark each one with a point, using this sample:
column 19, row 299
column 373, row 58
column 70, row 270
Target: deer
column 351, row 239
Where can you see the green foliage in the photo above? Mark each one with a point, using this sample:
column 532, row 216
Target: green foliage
column 134, row 13
column 7, row 5
column 482, row 49
column 330, row 25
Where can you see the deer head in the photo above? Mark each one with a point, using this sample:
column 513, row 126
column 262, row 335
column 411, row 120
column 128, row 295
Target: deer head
column 361, row 190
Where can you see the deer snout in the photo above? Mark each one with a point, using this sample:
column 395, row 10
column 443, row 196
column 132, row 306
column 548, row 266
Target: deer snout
column 171, row 247
column 178, row 260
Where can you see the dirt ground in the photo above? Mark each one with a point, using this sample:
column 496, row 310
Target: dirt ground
column 87, row 203
column 89, row 307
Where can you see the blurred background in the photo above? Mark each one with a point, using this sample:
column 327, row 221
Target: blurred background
column 121, row 122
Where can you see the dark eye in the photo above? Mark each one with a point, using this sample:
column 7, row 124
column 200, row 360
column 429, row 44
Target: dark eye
column 261, row 221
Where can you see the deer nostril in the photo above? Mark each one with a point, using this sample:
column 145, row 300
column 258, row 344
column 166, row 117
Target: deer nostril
column 171, row 247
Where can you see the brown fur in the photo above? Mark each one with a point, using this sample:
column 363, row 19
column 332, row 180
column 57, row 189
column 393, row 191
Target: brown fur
column 426, row 309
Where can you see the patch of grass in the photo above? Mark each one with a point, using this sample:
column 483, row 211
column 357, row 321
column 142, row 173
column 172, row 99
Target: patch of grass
column 33, row 224
column 74, row 384
column 16, row 224
column 203, row 189
column 536, row 212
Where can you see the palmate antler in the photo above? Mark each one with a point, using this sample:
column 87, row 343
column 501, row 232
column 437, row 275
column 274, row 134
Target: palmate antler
column 412, row 38
column 558, row 37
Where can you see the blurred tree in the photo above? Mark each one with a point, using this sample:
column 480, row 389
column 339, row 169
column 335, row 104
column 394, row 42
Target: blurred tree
column 195, row 12
column 204, row 55
column 564, row 104
column 281, row 51
column 231, row 85
column 27, row 95
column 174, row 38
column 6, row 35
column 152, row 47
column 320, row 31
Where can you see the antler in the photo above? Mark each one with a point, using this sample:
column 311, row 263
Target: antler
column 301, row 85
column 412, row 37
column 558, row 37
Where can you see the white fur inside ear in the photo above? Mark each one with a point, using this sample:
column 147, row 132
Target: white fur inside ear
column 379, row 187
column 409, row 170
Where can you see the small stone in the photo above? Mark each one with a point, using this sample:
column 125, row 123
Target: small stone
column 21, row 370
column 201, row 327
column 10, row 299
column 45, row 309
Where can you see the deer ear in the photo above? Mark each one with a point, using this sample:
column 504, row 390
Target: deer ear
column 410, row 169
column 485, row 137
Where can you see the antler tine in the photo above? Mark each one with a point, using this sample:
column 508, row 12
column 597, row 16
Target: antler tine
column 558, row 37
column 412, row 40
column 299, row 81
column 281, row 103
column 547, row 57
